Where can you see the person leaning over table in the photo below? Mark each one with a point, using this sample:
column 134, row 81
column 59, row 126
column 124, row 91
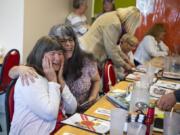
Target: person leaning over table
column 80, row 69
column 77, row 18
column 102, row 37
column 152, row 45
column 167, row 101
column 37, row 106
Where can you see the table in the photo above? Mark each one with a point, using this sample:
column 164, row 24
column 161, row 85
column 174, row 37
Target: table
column 103, row 103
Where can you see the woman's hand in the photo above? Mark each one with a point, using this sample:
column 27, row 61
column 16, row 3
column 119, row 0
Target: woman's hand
column 127, row 67
column 84, row 106
column 60, row 76
column 24, row 72
column 60, row 73
column 49, row 70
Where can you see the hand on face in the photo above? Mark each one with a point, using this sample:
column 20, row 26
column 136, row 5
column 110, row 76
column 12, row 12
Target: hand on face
column 48, row 69
column 166, row 102
column 60, row 73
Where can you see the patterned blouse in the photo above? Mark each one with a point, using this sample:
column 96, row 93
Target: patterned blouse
column 81, row 87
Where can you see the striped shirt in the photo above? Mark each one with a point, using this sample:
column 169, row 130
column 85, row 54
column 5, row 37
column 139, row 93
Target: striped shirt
column 78, row 23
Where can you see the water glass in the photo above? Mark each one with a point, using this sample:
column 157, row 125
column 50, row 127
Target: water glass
column 135, row 128
column 118, row 119
column 140, row 95
column 167, row 63
column 172, row 123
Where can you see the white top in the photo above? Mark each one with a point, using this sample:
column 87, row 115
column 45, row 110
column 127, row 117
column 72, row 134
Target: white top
column 131, row 57
column 37, row 107
column 78, row 23
column 149, row 48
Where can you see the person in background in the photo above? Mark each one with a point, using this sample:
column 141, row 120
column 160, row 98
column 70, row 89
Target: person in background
column 167, row 101
column 103, row 36
column 108, row 6
column 128, row 43
column 152, row 45
column 36, row 106
column 77, row 18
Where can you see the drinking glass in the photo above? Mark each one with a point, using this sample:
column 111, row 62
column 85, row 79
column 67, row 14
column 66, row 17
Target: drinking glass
column 172, row 123
column 118, row 119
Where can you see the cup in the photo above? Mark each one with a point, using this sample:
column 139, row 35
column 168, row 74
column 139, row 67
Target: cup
column 171, row 123
column 139, row 96
column 118, row 119
column 135, row 128
column 167, row 63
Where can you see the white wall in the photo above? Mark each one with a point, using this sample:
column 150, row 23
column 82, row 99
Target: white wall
column 11, row 24
column 39, row 17
column 89, row 11
column 22, row 22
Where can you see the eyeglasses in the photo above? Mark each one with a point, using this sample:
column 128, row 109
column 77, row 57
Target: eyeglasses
column 64, row 41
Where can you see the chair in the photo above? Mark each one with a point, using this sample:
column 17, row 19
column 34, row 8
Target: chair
column 9, row 104
column 11, row 59
column 109, row 76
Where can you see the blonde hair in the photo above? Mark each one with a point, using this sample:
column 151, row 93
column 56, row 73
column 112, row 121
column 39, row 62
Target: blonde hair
column 130, row 18
column 129, row 38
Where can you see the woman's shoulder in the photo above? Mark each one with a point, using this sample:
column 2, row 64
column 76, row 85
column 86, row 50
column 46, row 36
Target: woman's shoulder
column 149, row 37
column 37, row 80
column 89, row 65
column 88, row 61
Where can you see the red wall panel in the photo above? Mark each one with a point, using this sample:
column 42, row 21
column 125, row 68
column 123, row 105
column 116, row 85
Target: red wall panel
column 168, row 12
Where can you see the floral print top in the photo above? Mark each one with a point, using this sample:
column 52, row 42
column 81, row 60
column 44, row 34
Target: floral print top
column 82, row 86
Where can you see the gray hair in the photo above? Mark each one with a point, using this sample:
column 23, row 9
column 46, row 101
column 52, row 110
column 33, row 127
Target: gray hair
column 62, row 31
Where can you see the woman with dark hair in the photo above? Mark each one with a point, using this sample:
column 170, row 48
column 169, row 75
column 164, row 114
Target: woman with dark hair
column 152, row 45
column 80, row 72
column 38, row 104
column 108, row 6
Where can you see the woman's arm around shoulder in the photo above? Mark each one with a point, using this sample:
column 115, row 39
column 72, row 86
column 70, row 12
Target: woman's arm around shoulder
column 27, row 74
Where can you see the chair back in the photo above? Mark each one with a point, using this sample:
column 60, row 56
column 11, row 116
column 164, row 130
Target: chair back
column 11, row 59
column 9, row 104
column 109, row 76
